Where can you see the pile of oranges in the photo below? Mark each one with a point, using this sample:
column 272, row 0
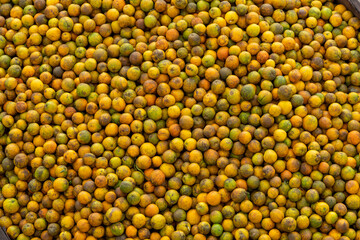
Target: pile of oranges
column 179, row 120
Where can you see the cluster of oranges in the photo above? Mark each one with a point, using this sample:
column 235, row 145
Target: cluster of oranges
column 179, row 120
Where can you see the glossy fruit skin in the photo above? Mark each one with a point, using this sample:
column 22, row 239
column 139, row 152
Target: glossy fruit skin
column 174, row 120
